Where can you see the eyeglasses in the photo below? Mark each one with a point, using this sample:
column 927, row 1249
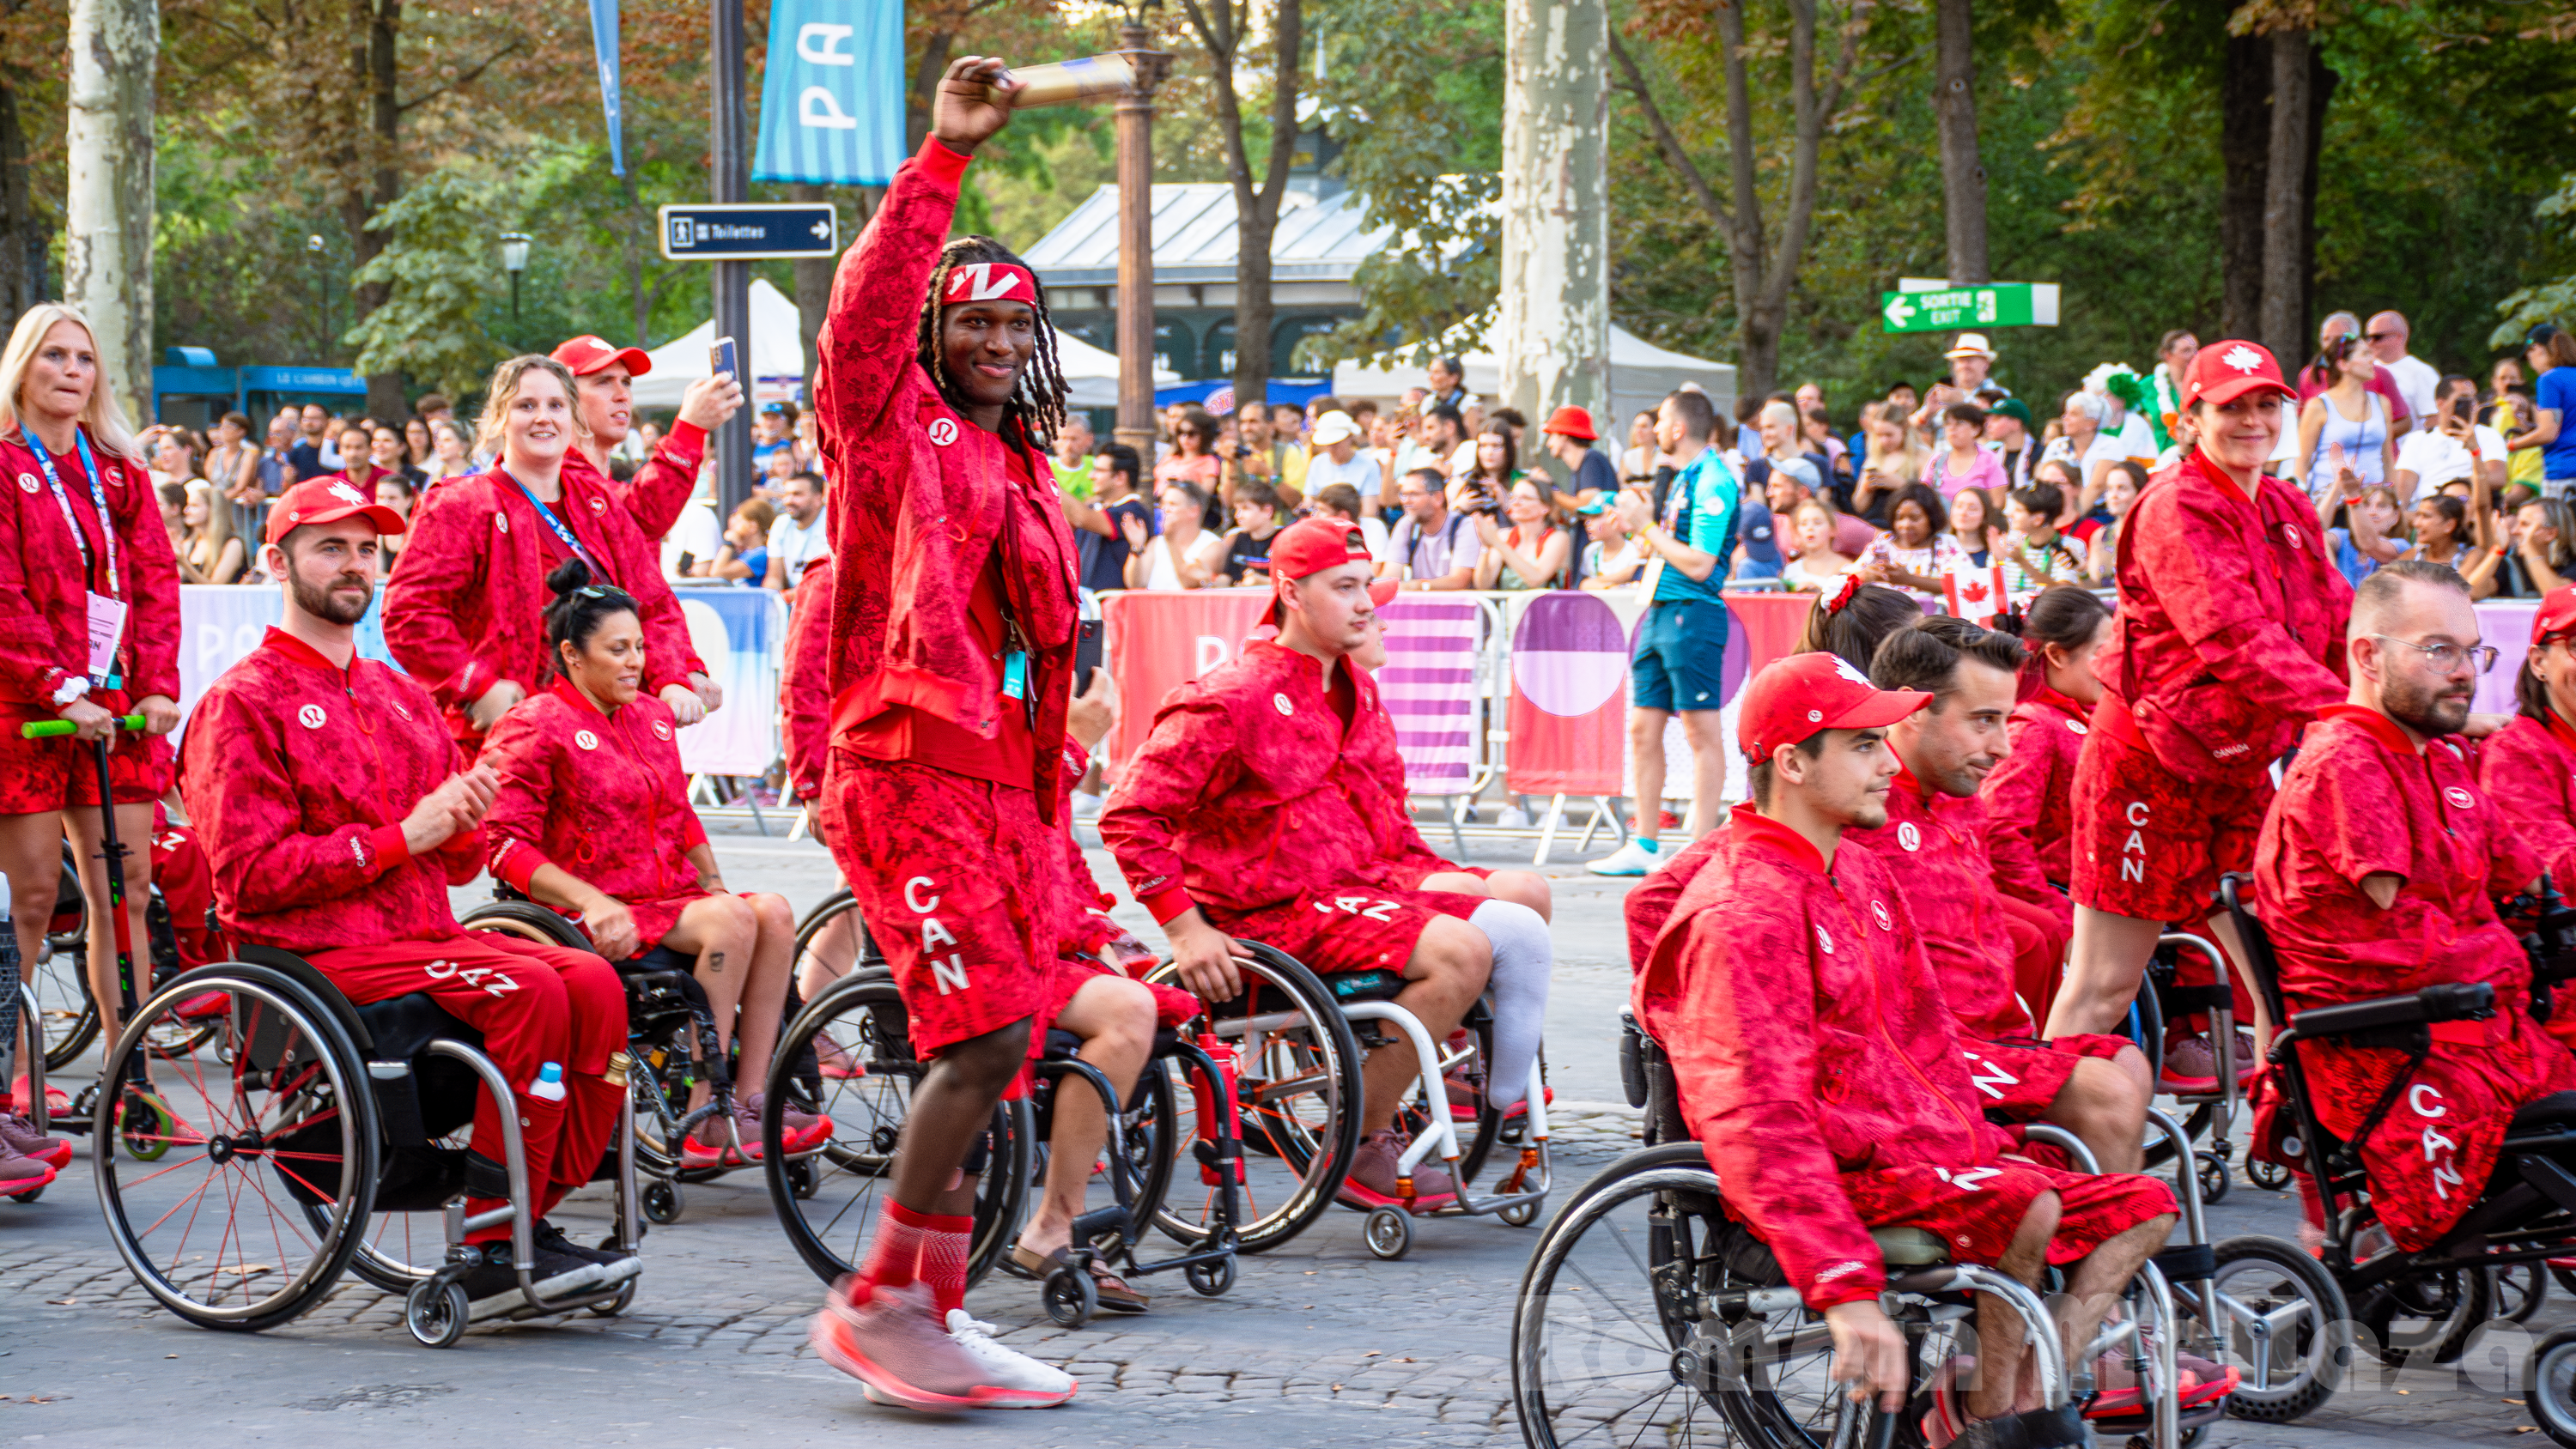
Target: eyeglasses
column 2447, row 657
column 2377, row 336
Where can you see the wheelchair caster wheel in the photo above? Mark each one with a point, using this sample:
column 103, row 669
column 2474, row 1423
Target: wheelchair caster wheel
column 1387, row 1233
column 1210, row 1280
column 29, row 1196
column 2213, row 1178
column 435, row 1312
column 662, row 1202
column 145, row 1128
column 1070, row 1296
column 1519, row 1215
column 625, row 1299
column 2269, row 1176
column 800, row 1178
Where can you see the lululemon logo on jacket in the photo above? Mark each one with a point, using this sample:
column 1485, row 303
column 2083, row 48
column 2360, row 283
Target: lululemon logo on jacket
column 585, row 739
column 943, row 431
column 311, row 717
column 598, row 504
column 661, row 729
column 501, row 521
column 1878, row 913
column 27, row 483
column 1824, row 942
column 1908, row 836
column 2075, row 728
column 1281, row 701
column 2290, row 532
column 2460, row 799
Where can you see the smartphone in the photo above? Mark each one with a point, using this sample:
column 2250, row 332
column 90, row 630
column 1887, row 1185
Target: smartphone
column 723, row 361
column 1086, row 653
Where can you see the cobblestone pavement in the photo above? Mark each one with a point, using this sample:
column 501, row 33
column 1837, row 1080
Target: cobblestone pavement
column 1317, row 1344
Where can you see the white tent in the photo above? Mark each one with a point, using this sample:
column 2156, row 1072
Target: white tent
column 1640, row 374
column 1091, row 375
column 770, row 351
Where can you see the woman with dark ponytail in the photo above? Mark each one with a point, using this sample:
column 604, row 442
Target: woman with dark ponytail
column 1851, row 619
column 2030, row 796
column 593, row 819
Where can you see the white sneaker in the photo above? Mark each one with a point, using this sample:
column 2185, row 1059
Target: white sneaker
column 1512, row 817
column 1088, row 807
column 1027, row 1383
column 1638, row 857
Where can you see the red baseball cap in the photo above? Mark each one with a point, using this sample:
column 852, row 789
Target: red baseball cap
column 328, row 499
column 587, row 354
column 1571, row 422
column 1796, row 696
column 1312, row 545
column 2556, row 615
column 2226, row 371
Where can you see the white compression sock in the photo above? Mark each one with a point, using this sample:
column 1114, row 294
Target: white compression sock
column 1524, row 955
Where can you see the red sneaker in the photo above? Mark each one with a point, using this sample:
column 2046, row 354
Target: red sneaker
column 891, row 1344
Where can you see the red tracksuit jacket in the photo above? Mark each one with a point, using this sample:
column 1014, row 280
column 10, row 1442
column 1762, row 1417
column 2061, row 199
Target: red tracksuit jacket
column 2529, row 771
column 1250, row 792
column 297, row 775
column 602, row 796
column 1809, row 1038
column 805, row 682
column 659, row 489
column 2229, row 637
column 2030, row 797
column 924, row 497
column 44, row 609
column 466, row 606
column 1935, row 847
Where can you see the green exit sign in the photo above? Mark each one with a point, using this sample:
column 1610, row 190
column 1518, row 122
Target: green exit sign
column 1917, row 308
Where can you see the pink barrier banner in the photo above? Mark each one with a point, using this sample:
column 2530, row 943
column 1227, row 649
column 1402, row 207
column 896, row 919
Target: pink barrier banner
column 1157, row 642
column 2507, row 626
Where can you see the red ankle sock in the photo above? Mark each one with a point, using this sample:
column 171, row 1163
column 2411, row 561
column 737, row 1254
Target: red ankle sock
column 945, row 1243
column 897, row 1249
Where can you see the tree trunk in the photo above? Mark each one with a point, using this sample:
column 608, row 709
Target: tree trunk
column 813, row 279
column 2245, row 157
column 1256, row 202
column 1963, row 177
column 2285, row 204
column 1553, row 333
column 107, row 227
column 925, row 84
column 17, row 221
column 380, row 25
column 2321, row 87
column 1759, row 360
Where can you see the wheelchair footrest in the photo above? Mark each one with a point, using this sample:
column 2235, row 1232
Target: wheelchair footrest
column 2188, row 1263
column 485, row 1178
column 1100, row 1222
column 2039, row 1429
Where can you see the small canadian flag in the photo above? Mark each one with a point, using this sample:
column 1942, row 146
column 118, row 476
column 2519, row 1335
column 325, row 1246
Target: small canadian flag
column 1974, row 594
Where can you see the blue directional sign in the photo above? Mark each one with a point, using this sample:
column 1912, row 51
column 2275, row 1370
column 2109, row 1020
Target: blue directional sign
column 749, row 231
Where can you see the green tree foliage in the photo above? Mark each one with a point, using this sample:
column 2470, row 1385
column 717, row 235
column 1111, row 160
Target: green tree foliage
column 434, row 270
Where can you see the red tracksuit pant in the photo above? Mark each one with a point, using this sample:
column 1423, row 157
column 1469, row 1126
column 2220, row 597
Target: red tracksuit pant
column 534, row 1004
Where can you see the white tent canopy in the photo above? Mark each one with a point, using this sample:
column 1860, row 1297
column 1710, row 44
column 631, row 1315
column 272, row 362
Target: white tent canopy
column 772, row 350
column 1091, row 375
column 1640, row 374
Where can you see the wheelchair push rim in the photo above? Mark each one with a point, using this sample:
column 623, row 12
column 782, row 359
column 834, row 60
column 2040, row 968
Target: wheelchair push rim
column 217, row 1230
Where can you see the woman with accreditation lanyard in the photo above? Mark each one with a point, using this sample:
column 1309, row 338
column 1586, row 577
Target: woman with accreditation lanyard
column 89, row 632
column 2529, row 767
column 465, row 612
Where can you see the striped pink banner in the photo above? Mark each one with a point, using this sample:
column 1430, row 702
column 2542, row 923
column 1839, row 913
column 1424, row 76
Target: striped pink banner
column 1429, row 688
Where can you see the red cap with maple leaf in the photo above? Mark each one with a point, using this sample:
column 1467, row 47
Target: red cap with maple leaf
column 2226, row 371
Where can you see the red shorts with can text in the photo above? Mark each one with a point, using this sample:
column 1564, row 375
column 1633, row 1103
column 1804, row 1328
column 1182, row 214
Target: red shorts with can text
column 1977, row 1210
column 2151, row 844
column 1350, row 928
column 2023, row 1077
column 37, row 776
column 962, row 888
column 2434, row 1149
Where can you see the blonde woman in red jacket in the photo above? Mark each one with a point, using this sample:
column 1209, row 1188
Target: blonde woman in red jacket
column 952, row 668
column 593, row 818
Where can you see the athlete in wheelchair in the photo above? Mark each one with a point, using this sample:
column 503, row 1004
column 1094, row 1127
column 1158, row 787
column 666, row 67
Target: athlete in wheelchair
column 592, row 818
column 1268, row 805
column 1820, row 1071
column 2432, row 1119
column 329, row 802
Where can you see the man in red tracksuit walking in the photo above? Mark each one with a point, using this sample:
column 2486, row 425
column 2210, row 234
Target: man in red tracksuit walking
column 1269, row 804
column 951, row 655
column 1816, row 1061
column 330, row 805
column 2377, row 874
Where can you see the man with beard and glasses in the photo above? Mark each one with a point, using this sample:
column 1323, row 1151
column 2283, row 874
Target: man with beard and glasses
column 2376, row 872
column 329, row 800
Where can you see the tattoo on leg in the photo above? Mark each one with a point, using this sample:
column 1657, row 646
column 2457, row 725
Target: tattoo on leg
column 715, row 963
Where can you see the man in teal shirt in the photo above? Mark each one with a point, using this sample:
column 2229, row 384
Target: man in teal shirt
column 1681, row 646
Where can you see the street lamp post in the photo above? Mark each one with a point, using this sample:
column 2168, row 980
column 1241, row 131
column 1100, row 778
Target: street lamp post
column 1135, row 121
column 514, row 260
column 321, row 292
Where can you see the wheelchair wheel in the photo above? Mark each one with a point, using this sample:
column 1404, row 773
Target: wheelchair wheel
column 1297, row 1103
column 2520, row 1289
column 2427, row 1318
column 1609, row 1343
column 2549, row 1386
column 832, row 941
column 2269, row 1176
column 861, row 1019
column 1145, row 1129
column 2284, row 1327
column 219, row 1233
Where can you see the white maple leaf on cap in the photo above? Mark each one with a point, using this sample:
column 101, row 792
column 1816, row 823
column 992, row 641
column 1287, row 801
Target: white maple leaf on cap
column 1844, row 668
column 348, row 492
column 2243, row 358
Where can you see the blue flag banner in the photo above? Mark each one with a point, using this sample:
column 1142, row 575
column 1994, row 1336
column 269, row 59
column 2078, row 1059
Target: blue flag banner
column 831, row 106
column 603, row 43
